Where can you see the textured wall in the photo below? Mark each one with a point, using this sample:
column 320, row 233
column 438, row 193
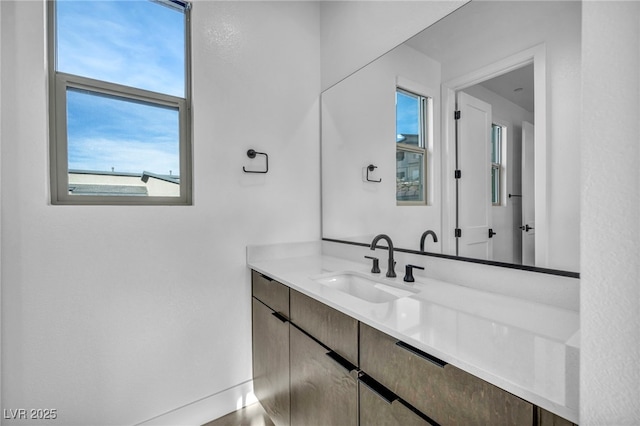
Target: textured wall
column 610, row 266
column 113, row 315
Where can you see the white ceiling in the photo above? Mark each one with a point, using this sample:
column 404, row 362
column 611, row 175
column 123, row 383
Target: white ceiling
column 507, row 85
column 477, row 24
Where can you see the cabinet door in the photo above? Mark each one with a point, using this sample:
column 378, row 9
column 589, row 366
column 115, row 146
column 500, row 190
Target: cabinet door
column 333, row 328
column 443, row 392
column 378, row 409
column 323, row 391
column 271, row 362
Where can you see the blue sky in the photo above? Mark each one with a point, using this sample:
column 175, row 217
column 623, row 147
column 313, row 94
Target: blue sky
column 135, row 43
column 407, row 114
column 128, row 136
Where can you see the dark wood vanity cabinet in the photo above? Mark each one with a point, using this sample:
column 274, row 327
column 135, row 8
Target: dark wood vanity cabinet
column 270, row 336
column 332, row 328
column 314, row 365
column 270, row 292
column 441, row 391
column 324, row 357
column 304, row 357
column 546, row 418
column 377, row 409
column 324, row 390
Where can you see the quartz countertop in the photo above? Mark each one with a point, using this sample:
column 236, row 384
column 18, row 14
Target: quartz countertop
column 526, row 348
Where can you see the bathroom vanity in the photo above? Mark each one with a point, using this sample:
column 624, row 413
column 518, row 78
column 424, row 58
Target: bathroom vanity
column 334, row 344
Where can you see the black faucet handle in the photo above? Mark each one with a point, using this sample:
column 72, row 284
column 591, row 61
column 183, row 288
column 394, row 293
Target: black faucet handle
column 408, row 272
column 375, row 269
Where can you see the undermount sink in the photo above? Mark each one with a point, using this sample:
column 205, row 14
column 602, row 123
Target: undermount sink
column 362, row 287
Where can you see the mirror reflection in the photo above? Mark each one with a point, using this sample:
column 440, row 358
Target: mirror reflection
column 494, row 145
column 481, row 113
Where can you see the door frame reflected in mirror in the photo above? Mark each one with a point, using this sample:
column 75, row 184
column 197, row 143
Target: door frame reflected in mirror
column 536, row 56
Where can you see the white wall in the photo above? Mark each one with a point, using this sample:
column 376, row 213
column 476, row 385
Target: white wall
column 358, row 129
column 114, row 315
column 610, row 195
column 1, row 316
column 355, row 33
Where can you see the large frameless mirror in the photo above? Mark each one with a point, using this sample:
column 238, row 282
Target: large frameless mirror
column 471, row 130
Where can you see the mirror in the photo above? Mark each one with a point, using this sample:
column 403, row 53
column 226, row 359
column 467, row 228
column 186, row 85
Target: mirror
column 510, row 70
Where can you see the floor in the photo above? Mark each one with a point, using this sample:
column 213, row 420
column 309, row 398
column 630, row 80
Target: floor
column 252, row 415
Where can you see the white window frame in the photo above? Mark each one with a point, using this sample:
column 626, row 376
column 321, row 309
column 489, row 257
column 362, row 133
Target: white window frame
column 501, row 167
column 425, row 137
column 59, row 82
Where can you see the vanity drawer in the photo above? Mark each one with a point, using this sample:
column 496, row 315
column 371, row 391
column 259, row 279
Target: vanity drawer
column 270, row 292
column 324, row 392
column 443, row 392
column 331, row 327
column 378, row 409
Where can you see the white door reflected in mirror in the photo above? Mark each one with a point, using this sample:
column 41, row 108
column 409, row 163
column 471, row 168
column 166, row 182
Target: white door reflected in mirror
column 474, row 184
column 528, row 195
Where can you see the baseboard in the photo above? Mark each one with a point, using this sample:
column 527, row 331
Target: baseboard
column 208, row 408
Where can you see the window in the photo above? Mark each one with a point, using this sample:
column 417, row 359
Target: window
column 412, row 134
column 498, row 136
column 120, row 102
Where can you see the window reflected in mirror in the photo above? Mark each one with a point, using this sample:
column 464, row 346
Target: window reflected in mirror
column 498, row 174
column 412, row 120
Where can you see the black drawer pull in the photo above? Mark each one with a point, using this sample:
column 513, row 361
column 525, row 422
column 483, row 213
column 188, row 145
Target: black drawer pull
column 432, row 359
column 280, row 316
column 385, row 394
column 341, row 361
column 418, row 413
column 266, row 277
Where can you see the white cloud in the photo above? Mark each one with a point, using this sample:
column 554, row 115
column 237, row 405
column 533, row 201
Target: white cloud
column 101, row 154
column 139, row 44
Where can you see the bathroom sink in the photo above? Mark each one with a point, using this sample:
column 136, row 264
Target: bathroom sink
column 362, row 287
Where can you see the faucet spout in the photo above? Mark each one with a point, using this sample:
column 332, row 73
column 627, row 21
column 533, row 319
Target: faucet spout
column 424, row 237
column 391, row 273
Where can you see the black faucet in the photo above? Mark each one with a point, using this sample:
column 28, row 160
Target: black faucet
column 391, row 273
column 424, row 236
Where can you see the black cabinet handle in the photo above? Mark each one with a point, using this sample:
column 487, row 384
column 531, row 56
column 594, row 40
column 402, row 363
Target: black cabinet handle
column 389, row 397
column 418, row 413
column 341, row 361
column 280, row 316
column 385, row 394
column 432, row 359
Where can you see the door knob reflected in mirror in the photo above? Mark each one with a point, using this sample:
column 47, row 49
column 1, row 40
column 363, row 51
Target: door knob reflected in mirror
column 526, row 228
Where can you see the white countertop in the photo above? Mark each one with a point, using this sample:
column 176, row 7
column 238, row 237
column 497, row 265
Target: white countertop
column 523, row 347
